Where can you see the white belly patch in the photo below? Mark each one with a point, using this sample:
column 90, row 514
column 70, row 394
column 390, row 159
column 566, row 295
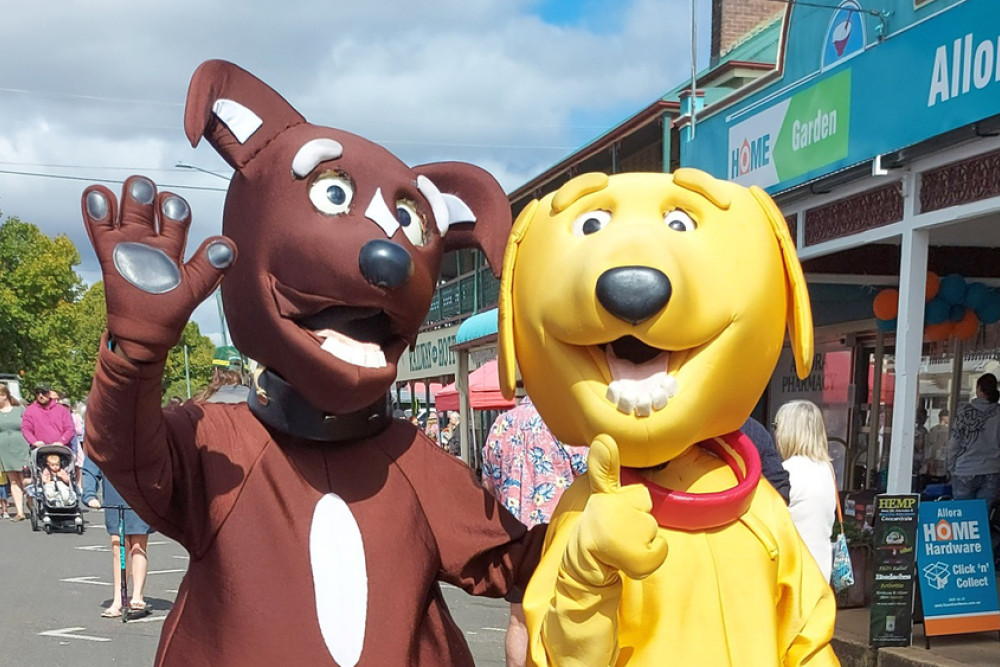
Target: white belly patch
column 337, row 556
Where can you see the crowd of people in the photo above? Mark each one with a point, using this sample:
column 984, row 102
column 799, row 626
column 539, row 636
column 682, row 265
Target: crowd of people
column 449, row 436
column 49, row 419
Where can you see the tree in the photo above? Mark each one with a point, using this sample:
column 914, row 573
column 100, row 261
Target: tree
column 52, row 325
column 200, row 353
column 38, row 285
column 70, row 335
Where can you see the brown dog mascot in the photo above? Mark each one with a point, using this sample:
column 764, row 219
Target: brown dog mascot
column 318, row 526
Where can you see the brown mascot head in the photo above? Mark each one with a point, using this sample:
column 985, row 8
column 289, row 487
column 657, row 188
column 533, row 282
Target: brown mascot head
column 340, row 242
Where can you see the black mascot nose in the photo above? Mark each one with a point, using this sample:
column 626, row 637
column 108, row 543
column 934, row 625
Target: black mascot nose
column 385, row 264
column 633, row 293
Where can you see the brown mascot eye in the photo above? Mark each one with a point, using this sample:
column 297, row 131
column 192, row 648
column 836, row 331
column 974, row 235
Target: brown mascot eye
column 332, row 193
column 409, row 218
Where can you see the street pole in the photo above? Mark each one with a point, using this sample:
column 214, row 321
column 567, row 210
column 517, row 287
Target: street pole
column 218, row 292
column 222, row 317
column 187, row 371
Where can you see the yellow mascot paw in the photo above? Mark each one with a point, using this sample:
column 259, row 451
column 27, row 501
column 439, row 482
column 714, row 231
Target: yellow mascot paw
column 616, row 533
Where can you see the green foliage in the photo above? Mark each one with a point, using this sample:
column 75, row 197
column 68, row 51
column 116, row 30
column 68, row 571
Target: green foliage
column 37, row 279
column 51, row 324
column 69, row 337
column 200, row 351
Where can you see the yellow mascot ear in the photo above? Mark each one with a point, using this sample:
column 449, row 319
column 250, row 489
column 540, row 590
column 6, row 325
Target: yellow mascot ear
column 800, row 325
column 505, row 317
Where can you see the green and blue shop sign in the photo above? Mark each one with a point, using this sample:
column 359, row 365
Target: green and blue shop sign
column 856, row 97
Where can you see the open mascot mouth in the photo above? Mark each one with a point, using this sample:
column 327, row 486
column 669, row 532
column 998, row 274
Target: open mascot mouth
column 640, row 380
column 355, row 335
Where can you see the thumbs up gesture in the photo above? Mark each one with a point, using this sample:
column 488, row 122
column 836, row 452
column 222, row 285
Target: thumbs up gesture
column 615, row 533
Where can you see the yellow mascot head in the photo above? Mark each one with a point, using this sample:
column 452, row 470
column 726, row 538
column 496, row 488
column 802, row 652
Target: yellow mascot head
column 650, row 307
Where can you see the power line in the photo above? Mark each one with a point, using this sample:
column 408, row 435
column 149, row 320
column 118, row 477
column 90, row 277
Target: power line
column 88, row 179
column 86, row 166
column 93, row 98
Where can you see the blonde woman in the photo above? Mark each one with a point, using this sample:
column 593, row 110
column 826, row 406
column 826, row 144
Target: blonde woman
column 801, row 439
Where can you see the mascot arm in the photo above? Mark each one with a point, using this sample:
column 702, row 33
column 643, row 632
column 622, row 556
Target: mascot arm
column 581, row 623
column 483, row 549
column 613, row 536
column 152, row 463
column 806, row 607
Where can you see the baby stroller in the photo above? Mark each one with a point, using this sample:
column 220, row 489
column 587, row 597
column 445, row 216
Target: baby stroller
column 48, row 513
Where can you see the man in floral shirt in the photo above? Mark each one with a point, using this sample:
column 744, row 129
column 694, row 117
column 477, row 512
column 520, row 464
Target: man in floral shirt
column 527, row 470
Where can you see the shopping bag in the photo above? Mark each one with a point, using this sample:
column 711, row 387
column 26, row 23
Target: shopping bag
column 843, row 572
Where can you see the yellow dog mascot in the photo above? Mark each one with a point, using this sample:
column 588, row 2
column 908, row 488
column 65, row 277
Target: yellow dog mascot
column 646, row 313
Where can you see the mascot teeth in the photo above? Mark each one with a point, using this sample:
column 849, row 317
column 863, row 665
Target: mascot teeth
column 347, row 349
column 644, row 397
column 642, row 388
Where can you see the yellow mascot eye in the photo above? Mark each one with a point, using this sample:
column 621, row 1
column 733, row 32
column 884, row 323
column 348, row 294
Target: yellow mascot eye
column 591, row 222
column 679, row 221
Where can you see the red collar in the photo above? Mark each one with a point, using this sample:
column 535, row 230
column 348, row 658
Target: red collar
column 704, row 511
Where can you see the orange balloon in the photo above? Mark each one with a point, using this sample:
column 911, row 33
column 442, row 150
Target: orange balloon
column 933, row 286
column 968, row 327
column 886, row 304
column 938, row 332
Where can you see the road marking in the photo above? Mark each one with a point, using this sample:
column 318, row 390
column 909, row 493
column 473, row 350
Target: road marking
column 96, row 547
column 87, row 580
column 182, row 557
column 66, row 633
column 153, row 544
column 166, row 571
column 169, row 590
column 148, row 619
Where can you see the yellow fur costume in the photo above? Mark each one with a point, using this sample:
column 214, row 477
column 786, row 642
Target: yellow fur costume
column 646, row 313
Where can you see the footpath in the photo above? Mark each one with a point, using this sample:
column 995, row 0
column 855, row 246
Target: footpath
column 850, row 641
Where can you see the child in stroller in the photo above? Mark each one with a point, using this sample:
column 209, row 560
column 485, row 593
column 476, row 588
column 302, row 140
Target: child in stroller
column 56, row 483
column 53, row 497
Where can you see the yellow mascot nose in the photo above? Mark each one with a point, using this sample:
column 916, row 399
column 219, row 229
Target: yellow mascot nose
column 633, row 293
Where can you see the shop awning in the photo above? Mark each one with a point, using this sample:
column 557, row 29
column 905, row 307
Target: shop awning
column 484, row 391
column 478, row 326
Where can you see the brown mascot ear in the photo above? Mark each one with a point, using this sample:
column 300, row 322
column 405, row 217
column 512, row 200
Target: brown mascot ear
column 469, row 189
column 237, row 112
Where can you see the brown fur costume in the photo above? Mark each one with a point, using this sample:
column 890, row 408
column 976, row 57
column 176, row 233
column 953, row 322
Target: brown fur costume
column 318, row 527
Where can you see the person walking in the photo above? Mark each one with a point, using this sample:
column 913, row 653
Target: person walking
column 800, row 436
column 935, row 468
column 527, row 469
column 974, row 447
column 46, row 421
column 136, row 539
column 14, row 451
column 228, row 384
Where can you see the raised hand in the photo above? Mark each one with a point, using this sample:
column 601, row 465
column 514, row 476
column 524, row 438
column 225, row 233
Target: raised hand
column 616, row 533
column 149, row 291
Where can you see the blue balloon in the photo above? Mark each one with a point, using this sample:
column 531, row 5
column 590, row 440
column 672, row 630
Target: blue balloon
column 956, row 313
column 886, row 325
column 937, row 311
column 990, row 313
column 977, row 296
column 953, row 289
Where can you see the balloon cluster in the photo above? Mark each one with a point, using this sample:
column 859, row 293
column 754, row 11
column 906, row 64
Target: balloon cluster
column 954, row 308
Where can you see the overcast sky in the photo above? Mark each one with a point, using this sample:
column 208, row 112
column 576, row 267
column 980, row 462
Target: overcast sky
column 94, row 90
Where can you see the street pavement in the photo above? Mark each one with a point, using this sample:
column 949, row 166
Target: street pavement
column 53, row 588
